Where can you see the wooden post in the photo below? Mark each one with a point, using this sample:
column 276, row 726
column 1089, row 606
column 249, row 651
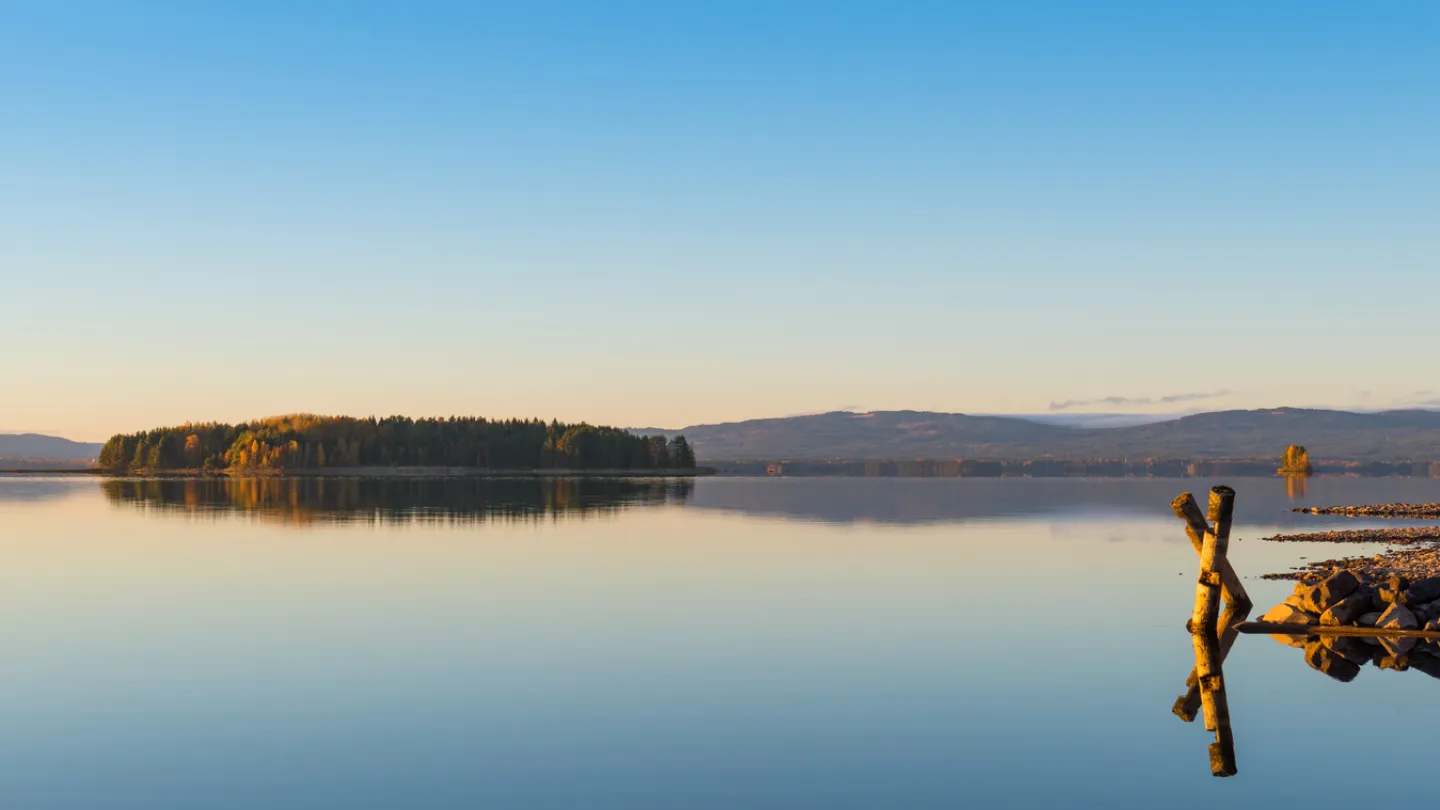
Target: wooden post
column 1212, row 557
column 1210, row 535
column 1196, row 527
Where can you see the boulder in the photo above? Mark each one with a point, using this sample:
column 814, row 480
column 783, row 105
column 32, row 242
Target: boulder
column 1397, row 617
column 1347, row 610
column 1368, row 619
column 1395, row 591
column 1426, row 590
column 1295, row 600
column 1377, row 601
column 1320, row 596
column 1288, row 614
column 1322, row 658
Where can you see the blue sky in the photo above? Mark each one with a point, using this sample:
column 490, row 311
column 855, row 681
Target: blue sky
column 674, row 213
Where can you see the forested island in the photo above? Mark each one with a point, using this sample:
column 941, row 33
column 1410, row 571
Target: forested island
column 309, row 442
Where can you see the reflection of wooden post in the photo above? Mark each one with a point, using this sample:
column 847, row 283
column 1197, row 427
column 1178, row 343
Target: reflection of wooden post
column 1214, row 702
column 1212, row 557
column 1188, row 704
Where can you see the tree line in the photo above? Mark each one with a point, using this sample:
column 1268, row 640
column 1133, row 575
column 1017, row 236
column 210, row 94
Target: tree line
column 305, row 441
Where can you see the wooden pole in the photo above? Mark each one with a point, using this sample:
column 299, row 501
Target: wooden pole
column 1196, row 527
column 1212, row 556
column 1214, row 702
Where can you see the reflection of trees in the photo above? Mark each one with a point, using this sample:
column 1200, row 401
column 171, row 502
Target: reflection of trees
column 1297, row 486
column 398, row 499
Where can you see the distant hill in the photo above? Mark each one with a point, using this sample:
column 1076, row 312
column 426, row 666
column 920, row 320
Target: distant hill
column 34, row 445
column 1338, row 435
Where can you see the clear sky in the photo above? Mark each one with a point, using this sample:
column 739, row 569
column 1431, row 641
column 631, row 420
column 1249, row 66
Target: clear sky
column 673, row 213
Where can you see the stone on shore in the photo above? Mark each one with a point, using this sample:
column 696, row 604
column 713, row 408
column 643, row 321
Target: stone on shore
column 1397, row 617
column 1426, row 590
column 1320, row 596
column 1368, row 619
column 1289, row 614
column 1347, row 610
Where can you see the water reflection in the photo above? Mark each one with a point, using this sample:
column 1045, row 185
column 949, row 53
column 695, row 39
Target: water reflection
column 953, row 500
column 386, row 500
column 1297, row 486
column 1205, row 689
column 1343, row 657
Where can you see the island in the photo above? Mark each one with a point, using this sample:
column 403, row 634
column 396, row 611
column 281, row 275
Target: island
column 310, row 443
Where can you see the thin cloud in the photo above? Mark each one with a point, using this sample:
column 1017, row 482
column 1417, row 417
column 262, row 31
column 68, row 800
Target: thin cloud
column 1131, row 402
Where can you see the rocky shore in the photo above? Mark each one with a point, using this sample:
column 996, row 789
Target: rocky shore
column 1353, row 598
column 1412, row 563
column 1393, row 510
column 1408, row 535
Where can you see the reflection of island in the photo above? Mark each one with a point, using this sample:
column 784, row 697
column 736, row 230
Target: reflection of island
column 388, row 500
column 1297, row 486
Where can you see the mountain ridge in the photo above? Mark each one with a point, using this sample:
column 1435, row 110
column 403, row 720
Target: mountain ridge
column 39, row 445
column 1232, row 434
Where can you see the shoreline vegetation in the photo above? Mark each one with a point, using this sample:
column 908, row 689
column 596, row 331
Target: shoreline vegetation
column 306, row 444
column 885, row 468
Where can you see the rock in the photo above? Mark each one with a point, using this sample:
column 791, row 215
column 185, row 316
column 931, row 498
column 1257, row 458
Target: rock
column 1322, row 658
column 1395, row 591
column 1398, row 647
column 1368, row 619
column 1288, row 614
column 1295, row 600
column 1433, row 625
column 1347, row 610
column 1350, row 648
column 1319, row 597
column 1397, row 617
column 1426, row 590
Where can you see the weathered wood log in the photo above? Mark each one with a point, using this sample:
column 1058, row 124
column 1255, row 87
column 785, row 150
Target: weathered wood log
column 1196, row 527
column 1275, row 629
column 1212, row 556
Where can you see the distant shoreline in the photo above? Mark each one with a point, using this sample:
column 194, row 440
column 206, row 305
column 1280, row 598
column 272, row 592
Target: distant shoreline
column 366, row 472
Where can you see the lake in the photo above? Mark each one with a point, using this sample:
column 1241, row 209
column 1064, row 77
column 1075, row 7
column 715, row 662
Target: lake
column 731, row 642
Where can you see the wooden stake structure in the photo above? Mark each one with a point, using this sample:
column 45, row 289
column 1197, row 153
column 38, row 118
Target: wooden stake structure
column 1212, row 634
column 1210, row 535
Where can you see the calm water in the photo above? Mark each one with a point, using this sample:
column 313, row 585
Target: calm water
column 791, row 643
